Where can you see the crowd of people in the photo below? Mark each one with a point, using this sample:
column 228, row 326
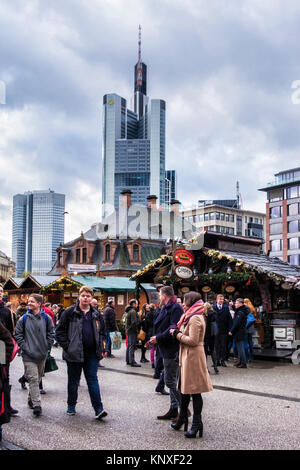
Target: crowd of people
column 178, row 333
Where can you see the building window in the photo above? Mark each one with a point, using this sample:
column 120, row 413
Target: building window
column 107, row 252
column 231, row 218
column 275, row 229
column 276, row 245
column 293, row 226
column 293, row 209
column 292, row 192
column 218, row 215
column 136, row 252
column 78, row 255
column 293, row 243
column 294, row 260
column 275, row 212
column 222, row 216
column 205, row 216
column 211, row 216
column 84, row 255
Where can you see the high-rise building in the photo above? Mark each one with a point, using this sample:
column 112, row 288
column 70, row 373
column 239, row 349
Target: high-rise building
column 171, row 186
column 133, row 148
column 283, row 216
column 38, row 229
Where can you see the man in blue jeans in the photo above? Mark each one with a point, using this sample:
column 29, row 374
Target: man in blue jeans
column 239, row 332
column 81, row 335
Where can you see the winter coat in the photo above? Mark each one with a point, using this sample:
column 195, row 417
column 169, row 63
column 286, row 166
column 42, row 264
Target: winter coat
column 20, row 312
column 223, row 318
column 69, row 334
column 193, row 373
column 132, row 323
column 6, row 318
column 238, row 329
column 209, row 337
column 109, row 316
column 167, row 318
column 35, row 337
column 149, row 320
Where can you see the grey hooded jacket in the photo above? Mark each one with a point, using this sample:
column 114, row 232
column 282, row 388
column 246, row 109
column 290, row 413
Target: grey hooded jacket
column 36, row 337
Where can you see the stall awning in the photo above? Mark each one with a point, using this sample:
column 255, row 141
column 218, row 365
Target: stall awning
column 110, row 283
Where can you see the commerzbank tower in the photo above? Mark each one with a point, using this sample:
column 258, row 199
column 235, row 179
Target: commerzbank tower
column 134, row 145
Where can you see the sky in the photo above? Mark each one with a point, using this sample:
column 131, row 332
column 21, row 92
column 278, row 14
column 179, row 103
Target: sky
column 226, row 70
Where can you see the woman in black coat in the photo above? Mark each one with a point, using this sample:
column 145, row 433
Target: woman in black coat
column 6, row 337
column 210, row 334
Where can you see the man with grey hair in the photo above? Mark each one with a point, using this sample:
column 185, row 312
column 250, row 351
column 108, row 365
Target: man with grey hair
column 168, row 318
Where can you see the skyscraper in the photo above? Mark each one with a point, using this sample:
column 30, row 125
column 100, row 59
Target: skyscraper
column 38, row 229
column 171, row 186
column 133, row 149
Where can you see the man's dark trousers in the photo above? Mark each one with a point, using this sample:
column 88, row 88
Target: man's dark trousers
column 90, row 368
column 131, row 343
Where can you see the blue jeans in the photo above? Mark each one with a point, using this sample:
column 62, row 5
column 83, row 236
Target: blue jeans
column 108, row 345
column 241, row 351
column 90, row 368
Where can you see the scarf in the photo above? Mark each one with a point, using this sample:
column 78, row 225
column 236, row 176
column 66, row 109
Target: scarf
column 196, row 309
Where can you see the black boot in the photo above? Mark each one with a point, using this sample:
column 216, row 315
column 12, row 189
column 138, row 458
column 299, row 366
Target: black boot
column 216, row 370
column 11, row 410
column 182, row 419
column 197, row 425
column 171, row 414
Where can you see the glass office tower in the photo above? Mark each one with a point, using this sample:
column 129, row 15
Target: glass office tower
column 133, row 145
column 171, row 186
column 38, row 229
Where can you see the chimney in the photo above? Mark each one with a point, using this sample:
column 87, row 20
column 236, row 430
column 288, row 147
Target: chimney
column 126, row 197
column 174, row 206
column 152, row 202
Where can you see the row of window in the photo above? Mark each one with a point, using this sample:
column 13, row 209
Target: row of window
column 222, row 216
column 293, row 227
column 292, row 209
column 288, row 193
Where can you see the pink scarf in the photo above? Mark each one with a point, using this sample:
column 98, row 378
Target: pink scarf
column 196, row 309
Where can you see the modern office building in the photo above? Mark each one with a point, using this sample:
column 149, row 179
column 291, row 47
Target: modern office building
column 283, row 216
column 133, row 145
column 171, row 186
column 225, row 216
column 38, row 229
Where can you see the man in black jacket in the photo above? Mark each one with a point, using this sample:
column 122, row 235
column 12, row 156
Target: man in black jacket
column 81, row 335
column 109, row 316
column 168, row 318
column 239, row 331
column 224, row 322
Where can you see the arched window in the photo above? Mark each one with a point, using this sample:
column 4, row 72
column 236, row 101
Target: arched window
column 136, row 252
column 107, row 252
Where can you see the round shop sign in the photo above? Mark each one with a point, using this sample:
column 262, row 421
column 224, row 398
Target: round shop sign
column 206, row 289
column 185, row 290
column 286, row 286
column 230, row 289
column 183, row 272
column 184, row 257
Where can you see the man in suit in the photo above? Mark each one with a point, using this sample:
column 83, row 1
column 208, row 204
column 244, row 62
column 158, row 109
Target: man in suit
column 168, row 318
column 224, row 323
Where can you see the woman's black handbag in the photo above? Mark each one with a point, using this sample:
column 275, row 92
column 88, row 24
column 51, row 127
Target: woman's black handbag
column 50, row 364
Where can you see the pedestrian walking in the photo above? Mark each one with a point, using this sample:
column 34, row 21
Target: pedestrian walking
column 5, row 414
column 168, row 346
column 35, row 336
column 224, row 323
column 193, row 376
column 210, row 334
column 150, row 315
column 132, row 327
column 250, row 325
column 145, row 327
column 7, row 320
column 82, row 336
column 109, row 316
column 239, row 332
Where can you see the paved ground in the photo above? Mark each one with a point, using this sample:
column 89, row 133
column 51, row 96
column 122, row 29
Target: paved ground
column 254, row 408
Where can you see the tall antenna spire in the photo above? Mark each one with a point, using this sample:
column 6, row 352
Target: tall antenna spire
column 139, row 77
column 140, row 44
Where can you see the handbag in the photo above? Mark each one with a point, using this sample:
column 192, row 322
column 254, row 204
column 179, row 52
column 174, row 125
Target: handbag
column 15, row 350
column 50, row 364
column 116, row 340
column 141, row 335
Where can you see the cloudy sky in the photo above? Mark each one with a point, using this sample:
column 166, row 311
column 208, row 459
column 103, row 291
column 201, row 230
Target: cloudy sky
column 225, row 69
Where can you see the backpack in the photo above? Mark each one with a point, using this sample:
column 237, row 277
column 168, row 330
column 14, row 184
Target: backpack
column 44, row 315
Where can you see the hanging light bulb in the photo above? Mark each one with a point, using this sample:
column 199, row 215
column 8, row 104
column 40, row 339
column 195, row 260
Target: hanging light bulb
column 229, row 269
column 210, row 271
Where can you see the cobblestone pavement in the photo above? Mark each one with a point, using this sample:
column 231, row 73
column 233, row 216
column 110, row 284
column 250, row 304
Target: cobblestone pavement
column 254, row 408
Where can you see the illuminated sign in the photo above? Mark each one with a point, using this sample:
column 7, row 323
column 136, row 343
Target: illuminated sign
column 184, row 257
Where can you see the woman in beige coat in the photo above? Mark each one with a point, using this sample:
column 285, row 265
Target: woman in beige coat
column 193, row 374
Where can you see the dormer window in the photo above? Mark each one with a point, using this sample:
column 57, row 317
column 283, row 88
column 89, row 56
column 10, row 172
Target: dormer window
column 136, row 253
column 107, row 252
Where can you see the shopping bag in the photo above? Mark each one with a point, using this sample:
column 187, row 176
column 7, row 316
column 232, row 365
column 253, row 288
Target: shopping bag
column 15, row 350
column 50, row 364
column 116, row 340
column 141, row 335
